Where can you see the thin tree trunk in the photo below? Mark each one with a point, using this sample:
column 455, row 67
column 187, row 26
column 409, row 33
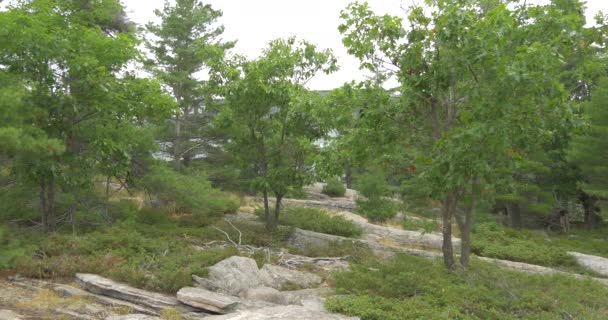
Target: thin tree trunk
column 266, row 210
column 43, row 210
column 591, row 219
column 348, row 175
column 465, row 230
column 514, row 212
column 277, row 211
column 177, row 157
column 449, row 207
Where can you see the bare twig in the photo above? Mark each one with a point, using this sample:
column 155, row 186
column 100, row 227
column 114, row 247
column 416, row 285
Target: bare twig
column 237, row 230
column 226, row 234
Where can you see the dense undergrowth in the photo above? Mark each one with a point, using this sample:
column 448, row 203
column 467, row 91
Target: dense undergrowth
column 316, row 220
column 152, row 251
column 418, row 288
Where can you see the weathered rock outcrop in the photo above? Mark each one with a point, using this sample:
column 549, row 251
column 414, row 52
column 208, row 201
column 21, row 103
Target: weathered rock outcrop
column 594, row 263
column 207, row 300
column 136, row 316
column 281, row 313
column 278, row 277
column 152, row 300
column 236, row 275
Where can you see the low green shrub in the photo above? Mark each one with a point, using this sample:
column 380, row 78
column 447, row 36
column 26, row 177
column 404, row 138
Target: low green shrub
column 189, row 194
column 377, row 209
column 151, row 216
column 374, row 204
column 334, row 188
column 418, row 288
column 316, row 220
column 11, row 249
column 496, row 241
column 426, row 225
column 152, row 257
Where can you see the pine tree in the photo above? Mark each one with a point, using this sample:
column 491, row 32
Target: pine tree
column 590, row 151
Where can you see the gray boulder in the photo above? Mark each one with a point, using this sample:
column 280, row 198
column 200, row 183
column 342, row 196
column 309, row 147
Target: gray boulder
column 278, row 277
column 235, row 275
column 281, row 313
column 267, row 294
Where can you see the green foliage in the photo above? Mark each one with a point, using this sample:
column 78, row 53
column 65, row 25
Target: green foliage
column 154, row 257
column 496, row 241
column 12, row 249
column 584, row 149
column 334, row 188
column 188, row 41
column 270, row 117
column 316, row 220
column 426, row 225
column 151, row 216
column 73, row 114
column 418, row 288
column 375, row 206
column 189, row 194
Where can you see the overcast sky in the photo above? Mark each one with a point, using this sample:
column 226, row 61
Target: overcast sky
column 255, row 22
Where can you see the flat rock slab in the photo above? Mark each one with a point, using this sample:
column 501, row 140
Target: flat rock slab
column 278, row 277
column 281, row 313
column 133, row 317
column 595, row 263
column 9, row 315
column 207, row 300
column 103, row 286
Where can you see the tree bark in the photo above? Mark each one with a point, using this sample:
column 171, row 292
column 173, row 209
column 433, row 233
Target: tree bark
column 591, row 219
column 266, row 211
column 177, row 157
column 514, row 212
column 464, row 225
column 449, row 207
column 47, row 203
column 348, row 175
column 277, row 211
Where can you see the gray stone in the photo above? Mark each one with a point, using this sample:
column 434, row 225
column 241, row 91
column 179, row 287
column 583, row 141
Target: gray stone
column 9, row 315
column 594, row 263
column 207, row 300
column 281, row 313
column 267, row 294
column 278, row 277
column 99, row 285
column 133, row 317
column 235, row 275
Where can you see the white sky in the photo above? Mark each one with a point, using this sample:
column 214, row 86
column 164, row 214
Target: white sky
column 255, row 22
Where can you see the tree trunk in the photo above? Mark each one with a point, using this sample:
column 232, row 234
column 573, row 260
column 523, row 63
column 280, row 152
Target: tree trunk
column 449, row 207
column 277, row 211
column 267, row 211
column 464, row 225
column 514, row 212
column 591, row 219
column 177, row 157
column 47, row 203
column 348, row 175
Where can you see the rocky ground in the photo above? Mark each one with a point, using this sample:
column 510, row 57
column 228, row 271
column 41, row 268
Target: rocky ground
column 236, row 288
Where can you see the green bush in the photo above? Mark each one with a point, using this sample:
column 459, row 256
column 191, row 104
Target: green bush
column 11, row 249
column 151, row 216
column 496, row 241
column 426, row 225
column 418, row 288
column 190, row 194
column 316, row 220
column 334, row 188
column 375, row 206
